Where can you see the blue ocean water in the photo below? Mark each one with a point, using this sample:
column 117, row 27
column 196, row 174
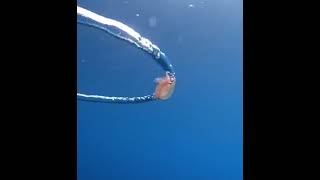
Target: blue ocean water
column 197, row 133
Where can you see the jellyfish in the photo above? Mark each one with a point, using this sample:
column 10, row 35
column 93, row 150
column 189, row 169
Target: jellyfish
column 164, row 85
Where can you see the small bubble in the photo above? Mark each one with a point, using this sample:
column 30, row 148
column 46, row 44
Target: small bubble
column 190, row 5
column 180, row 39
column 172, row 79
column 157, row 55
column 152, row 21
column 137, row 15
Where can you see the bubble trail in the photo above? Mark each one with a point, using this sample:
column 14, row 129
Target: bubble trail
column 165, row 85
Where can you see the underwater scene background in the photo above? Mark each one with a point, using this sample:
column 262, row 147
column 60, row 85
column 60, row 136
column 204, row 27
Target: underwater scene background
column 197, row 134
